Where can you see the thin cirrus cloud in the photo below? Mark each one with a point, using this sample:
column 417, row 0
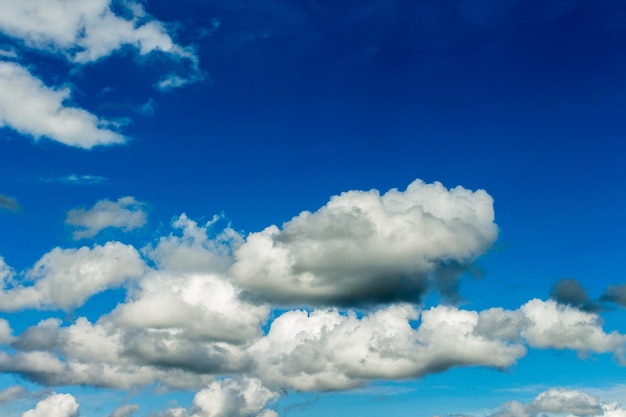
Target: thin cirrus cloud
column 367, row 247
column 34, row 109
column 126, row 213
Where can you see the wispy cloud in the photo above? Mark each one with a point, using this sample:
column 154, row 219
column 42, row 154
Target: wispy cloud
column 126, row 213
column 74, row 179
column 8, row 203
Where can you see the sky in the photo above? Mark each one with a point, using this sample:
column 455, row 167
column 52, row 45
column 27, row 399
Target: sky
column 263, row 208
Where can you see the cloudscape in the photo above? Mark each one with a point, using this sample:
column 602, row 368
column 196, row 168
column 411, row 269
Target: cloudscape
column 310, row 208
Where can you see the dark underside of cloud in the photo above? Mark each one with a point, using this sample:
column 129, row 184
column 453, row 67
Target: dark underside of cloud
column 569, row 291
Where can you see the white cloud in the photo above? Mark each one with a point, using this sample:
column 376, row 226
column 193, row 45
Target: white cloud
column 560, row 401
column 65, row 278
column 56, row 405
column 126, row 213
column 366, row 247
column 231, row 397
column 328, row 350
column 550, row 325
column 31, row 108
column 74, row 179
column 191, row 249
column 84, row 30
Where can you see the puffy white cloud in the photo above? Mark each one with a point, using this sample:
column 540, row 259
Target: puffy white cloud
column 550, row 325
column 328, row 350
column 66, row 278
column 56, row 405
column 204, row 306
column 366, row 247
column 31, row 108
column 84, row 30
column 126, row 213
column 231, row 397
column 8, row 203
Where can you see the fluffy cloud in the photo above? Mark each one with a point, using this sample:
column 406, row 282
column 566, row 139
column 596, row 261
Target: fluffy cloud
column 31, row 108
column 84, row 30
column 559, row 401
column 550, row 325
column 126, row 213
column 56, row 405
column 233, row 397
column 65, row 278
column 328, row 350
column 8, row 203
column 366, row 247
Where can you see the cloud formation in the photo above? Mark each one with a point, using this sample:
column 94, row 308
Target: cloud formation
column 32, row 108
column 364, row 247
column 615, row 294
column 84, row 30
column 560, row 401
column 56, row 405
column 570, row 292
column 126, row 213
column 66, row 278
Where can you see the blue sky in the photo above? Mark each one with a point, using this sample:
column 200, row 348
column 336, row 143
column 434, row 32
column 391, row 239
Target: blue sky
column 302, row 208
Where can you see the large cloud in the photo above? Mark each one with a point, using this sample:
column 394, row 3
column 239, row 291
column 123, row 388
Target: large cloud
column 31, row 108
column 126, row 213
column 366, row 247
column 84, row 30
column 66, row 278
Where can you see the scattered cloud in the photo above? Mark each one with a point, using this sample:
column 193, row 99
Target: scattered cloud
column 570, row 292
column 13, row 393
column 84, row 31
column 56, row 405
column 364, row 247
column 8, row 203
column 31, row 108
column 615, row 294
column 65, row 278
column 126, row 213
column 560, row 401
column 125, row 410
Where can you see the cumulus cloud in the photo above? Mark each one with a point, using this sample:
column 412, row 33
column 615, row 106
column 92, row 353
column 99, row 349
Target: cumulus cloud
column 126, row 213
column 570, row 292
column 8, row 203
column 367, row 247
column 56, row 405
column 66, row 278
column 327, row 350
column 550, row 325
column 559, row 401
column 32, row 108
column 231, row 397
column 190, row 248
